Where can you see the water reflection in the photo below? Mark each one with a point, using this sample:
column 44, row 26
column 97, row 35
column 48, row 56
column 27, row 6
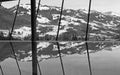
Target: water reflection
column 47, row 50
column 21, row 49
column 103, row 56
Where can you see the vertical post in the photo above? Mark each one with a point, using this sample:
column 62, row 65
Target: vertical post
column 0, row 3
column 1, row 70
column 87, row 37
column 33, row 37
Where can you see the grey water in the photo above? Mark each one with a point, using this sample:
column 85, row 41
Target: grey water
column 104, row 59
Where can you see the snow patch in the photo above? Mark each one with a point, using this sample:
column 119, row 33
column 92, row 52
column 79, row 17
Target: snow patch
column 83, row 21
column 43, row 20
column 43, row 44
column 64, row 22
column 44, row 8
column 29, row 58
column 22, row 32
column 26, row 6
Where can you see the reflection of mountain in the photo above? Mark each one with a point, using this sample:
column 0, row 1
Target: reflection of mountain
column 73, row 27
column 73, row 24
column 47, row 50
column 103, row 63
column 20, row 47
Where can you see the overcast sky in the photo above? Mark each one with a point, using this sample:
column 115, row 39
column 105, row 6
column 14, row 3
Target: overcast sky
column 100, row 5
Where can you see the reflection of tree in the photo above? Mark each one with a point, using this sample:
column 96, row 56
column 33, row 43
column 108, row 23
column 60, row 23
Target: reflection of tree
column 22, row 49
column 116, row 37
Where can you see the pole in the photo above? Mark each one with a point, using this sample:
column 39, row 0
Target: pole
column 6, row 0
column 87, row 35
column 0, row 3
column 33, row 37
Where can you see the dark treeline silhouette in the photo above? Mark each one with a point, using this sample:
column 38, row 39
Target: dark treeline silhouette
column 67, row 36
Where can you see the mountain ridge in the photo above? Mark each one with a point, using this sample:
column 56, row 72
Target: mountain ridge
column 73, row 23
column 73, row 27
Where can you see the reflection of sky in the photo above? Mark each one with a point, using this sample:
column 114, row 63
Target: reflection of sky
column 101, row 5
column 47, row 50
column 103, row 63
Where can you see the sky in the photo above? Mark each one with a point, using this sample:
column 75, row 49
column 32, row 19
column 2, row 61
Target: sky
column 99, row 5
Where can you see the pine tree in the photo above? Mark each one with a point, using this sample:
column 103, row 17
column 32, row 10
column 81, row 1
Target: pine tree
column 74, row 37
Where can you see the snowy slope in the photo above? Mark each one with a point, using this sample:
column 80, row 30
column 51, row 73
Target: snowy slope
column 73, row 25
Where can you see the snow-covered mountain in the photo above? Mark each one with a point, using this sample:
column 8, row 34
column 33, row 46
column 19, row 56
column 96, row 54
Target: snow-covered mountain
column 73, row 23
column 73, row 27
